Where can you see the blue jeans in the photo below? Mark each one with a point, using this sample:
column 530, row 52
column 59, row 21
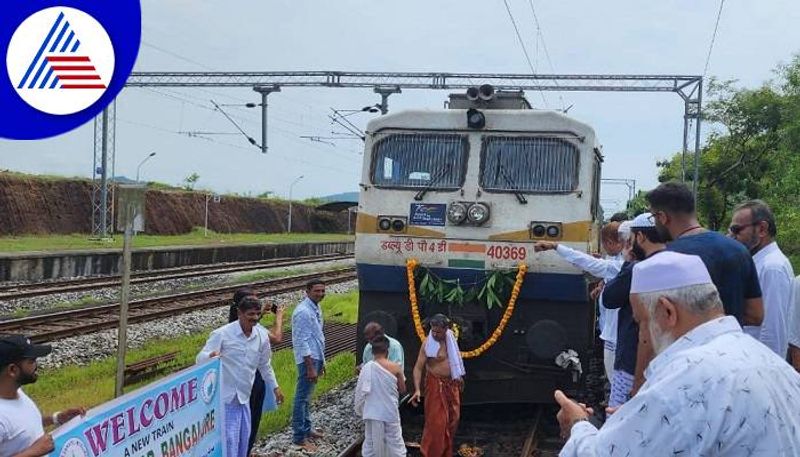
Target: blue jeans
column 301, row 415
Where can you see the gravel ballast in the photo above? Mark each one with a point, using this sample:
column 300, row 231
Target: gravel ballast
column 84, row 349
column 111, row 294
column 332, row 413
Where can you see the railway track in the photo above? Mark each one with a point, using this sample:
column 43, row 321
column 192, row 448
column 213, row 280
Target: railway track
column 63, row 324
column 489, row 431
column 9, row 292
column 339, row 338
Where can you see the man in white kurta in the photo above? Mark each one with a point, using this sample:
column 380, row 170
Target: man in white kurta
column 794, row 325
column 243, row 347
column 614, row 237
column 711, row 391
column 753, row 225
column 376, row 398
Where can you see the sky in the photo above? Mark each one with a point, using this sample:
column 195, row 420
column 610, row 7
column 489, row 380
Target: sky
column 580, row 37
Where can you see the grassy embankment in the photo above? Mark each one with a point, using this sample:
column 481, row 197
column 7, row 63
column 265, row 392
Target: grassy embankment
column 93, row 384
column 194, row 238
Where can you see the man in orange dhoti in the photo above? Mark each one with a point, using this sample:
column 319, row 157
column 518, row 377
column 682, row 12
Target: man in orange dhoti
column 440, row 360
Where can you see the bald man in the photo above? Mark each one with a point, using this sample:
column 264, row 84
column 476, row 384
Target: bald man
column 373, row 330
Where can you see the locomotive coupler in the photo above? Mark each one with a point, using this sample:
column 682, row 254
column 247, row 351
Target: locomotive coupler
column 569, row 360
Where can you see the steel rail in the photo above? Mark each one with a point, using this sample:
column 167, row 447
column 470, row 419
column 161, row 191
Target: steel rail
column 62, row 324
column 10, row 292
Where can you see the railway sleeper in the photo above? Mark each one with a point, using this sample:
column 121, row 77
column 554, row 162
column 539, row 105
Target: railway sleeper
column 149, row 368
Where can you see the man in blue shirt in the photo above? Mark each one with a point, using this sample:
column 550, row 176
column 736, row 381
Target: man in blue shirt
column 730, row 265
column 308, row 342
column 373, row 330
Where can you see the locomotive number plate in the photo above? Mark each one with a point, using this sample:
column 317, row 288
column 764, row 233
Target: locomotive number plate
column 505, row 252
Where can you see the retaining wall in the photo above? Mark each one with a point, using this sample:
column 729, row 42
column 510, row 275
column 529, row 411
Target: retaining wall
column 54, row 265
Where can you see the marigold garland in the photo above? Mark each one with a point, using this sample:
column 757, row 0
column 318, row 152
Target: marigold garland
column 411, row 264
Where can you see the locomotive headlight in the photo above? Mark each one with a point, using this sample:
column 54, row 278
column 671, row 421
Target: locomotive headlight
column 475, row 119
column 398, row 225
column 553, row 231
column 478, row 213
column 538, row 230
column 456, row 213
column 385, row 224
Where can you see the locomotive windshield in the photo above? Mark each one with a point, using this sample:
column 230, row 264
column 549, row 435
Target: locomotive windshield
column 528, row 164
column 432, row 161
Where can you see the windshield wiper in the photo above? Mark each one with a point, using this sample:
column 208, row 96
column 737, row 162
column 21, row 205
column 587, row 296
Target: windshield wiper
column 520, row 198
column 439, row 175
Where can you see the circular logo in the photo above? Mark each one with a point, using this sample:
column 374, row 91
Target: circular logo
column 74, row 448
column 209, row 386
column 60, row 60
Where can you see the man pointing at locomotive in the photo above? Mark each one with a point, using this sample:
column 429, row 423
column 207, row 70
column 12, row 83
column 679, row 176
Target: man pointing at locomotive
column 440, row 359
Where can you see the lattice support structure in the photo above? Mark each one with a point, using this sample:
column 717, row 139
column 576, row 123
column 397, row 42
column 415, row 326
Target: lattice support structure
column 103, row 173
column 688, row 87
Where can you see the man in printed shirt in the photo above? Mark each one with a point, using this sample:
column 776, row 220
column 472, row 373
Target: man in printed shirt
column 308, row 343
column 243, row 347
column 605, row 269
column 710, row 391
column 753, row 225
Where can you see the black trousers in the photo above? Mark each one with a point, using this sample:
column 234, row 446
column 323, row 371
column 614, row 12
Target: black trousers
column 256, row 403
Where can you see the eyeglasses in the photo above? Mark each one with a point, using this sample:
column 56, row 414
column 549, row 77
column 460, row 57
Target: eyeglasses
column 734, row 229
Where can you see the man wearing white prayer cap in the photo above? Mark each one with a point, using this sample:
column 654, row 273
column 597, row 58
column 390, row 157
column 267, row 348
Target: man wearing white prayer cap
column 711, row 389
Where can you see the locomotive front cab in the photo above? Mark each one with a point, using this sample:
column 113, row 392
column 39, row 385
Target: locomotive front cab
column 457, row 208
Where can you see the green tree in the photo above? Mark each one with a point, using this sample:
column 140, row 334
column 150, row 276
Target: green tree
column 752, row 152
column 190, row 181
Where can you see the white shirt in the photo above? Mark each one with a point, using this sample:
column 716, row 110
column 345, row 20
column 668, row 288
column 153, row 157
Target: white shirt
column 794, row 313
column 775, row 275
column 20, row 424
column 605, row 269
column 713, row 392
column 241, row 356
column 376, row 394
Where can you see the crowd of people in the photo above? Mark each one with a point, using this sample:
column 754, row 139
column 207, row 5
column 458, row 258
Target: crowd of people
column 701, row 335
column 707, row 337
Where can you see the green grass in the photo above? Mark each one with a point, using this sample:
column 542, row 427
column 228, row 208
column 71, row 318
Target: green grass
column 93, row 384
column 194, row 238
column 272, row 274
column 335, row 308
column 337, row 370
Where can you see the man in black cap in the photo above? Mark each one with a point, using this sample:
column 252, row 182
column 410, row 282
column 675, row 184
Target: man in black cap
column 21, row 423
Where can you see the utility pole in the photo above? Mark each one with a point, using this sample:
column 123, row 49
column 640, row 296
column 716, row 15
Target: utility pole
column 139, row 168
column 265, row 91
column 132, row 200
column 216, row 200
column 205, row 225
column 104, row 178
column 289, row 223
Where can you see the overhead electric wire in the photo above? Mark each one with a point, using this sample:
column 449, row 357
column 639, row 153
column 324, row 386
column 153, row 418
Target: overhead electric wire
column 540, row 36
column 289, row 134
column 237, row 146
column 522, row 44
column 177, row 56
column 249, row 138
column 713, row 37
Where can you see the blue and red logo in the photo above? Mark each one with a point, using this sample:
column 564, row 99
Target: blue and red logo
column 64, row 62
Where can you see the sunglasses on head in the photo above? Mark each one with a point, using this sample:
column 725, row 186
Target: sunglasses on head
column 735, row 228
